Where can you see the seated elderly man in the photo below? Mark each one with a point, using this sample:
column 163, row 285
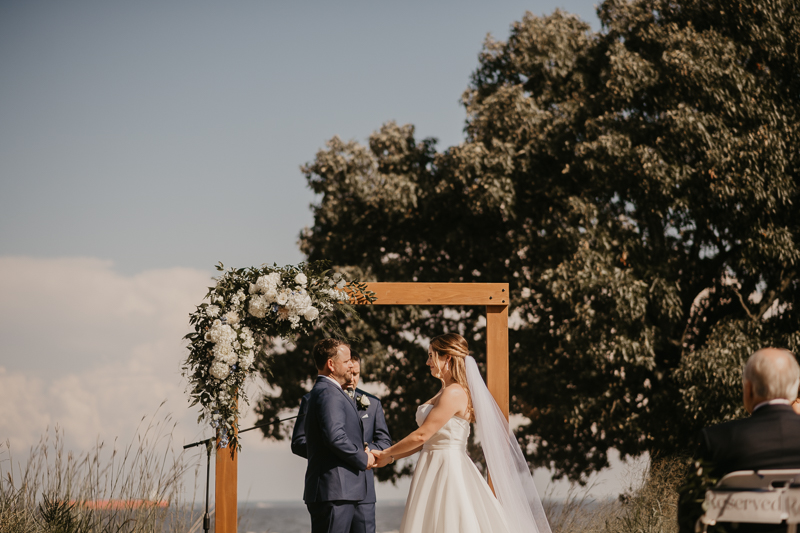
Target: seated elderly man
column 770, row 437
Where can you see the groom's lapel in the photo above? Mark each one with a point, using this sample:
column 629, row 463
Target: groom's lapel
column 350, row 400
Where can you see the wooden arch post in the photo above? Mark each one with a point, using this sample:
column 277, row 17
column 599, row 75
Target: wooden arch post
column 494, row 296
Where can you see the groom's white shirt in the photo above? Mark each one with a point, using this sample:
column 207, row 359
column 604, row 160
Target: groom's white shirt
column 330, row 378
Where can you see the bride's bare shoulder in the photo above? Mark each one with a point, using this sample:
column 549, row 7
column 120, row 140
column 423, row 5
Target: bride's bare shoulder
column 454, row 390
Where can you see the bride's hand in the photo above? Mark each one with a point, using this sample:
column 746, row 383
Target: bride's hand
column 382, row 458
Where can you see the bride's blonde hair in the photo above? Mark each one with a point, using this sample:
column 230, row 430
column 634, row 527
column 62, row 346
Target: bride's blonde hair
column 456, row 347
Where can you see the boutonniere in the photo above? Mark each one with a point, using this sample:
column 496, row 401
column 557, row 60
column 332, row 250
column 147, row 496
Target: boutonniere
column 363, row 401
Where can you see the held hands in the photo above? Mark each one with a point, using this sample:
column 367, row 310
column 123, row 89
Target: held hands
column 370, row 459
column 381, row 458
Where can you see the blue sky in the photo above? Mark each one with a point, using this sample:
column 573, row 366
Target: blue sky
column 143, row 142
column 163, row 134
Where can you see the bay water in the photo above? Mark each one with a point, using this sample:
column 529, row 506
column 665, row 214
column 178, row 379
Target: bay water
column 292, row 517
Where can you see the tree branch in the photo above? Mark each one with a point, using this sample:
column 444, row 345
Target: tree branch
column 744, row 305
column 772, row 294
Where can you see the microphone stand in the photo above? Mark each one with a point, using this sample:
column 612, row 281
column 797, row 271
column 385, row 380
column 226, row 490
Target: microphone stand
column 208, row 443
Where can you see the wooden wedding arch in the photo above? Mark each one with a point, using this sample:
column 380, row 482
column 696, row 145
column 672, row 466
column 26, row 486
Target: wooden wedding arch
column 494, row 296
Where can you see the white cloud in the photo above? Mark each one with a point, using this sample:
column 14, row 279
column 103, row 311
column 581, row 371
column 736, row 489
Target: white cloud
column 93, row 351
column 90, row 350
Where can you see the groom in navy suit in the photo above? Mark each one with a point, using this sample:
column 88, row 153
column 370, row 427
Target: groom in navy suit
column 336, row 478
column 376, row 435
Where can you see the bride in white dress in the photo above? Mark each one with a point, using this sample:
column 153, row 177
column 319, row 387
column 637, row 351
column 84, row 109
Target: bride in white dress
column 448, row 494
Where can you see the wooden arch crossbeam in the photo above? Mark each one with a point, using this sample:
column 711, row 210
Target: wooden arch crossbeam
column 494, row 296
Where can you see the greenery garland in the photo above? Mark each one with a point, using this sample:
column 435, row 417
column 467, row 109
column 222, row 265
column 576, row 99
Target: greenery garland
column 246, row 309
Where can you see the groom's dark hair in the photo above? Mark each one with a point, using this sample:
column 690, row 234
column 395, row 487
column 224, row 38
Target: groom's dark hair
column 326, row 349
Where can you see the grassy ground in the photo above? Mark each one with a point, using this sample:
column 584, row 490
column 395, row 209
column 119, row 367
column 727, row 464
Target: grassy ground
column 47, row 494
column 650, row 505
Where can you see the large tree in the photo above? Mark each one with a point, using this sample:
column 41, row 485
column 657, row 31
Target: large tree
column 636, row 187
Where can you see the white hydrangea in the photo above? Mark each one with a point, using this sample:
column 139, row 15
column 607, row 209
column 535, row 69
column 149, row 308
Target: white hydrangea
column 268, row 282
column 300, row 300
column 258, row 306
column 232, row 318
column 219, row 369
column 225, row 353
column 311, row 314
column 220, row 333
column 246, row 359
column 301, row 279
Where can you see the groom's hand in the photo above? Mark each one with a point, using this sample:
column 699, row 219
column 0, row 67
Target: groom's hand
column 370, row 459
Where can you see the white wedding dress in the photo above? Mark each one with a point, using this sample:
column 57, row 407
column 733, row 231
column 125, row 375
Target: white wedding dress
column 448, row 494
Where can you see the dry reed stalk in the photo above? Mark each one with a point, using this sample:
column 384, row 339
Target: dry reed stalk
column 58, row 491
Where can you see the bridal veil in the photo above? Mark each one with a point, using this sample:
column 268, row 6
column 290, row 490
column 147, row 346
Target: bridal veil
column 511, row 477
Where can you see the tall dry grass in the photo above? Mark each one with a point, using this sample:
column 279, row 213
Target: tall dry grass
column 49, row 493
column 649, row 505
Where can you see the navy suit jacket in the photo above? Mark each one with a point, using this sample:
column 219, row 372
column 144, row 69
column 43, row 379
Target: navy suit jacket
column 767, row 439
column 376, row 432
column 337, row 461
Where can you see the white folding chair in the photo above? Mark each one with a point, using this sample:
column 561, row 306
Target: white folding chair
column 761, row 497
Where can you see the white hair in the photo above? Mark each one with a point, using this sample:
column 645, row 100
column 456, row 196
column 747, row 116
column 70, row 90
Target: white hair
column 774, row 373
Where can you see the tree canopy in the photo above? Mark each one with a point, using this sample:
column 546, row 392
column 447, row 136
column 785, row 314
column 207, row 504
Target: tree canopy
column 636, row 187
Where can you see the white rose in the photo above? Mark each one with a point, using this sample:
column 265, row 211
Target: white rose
column 301, row 279
column 311, row 314
column 271, row 295
column 212, row 311
column 283, row 297
column 232, row 318
column 219, row 370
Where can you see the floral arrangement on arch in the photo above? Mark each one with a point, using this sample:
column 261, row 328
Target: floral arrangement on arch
column 245, row 310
